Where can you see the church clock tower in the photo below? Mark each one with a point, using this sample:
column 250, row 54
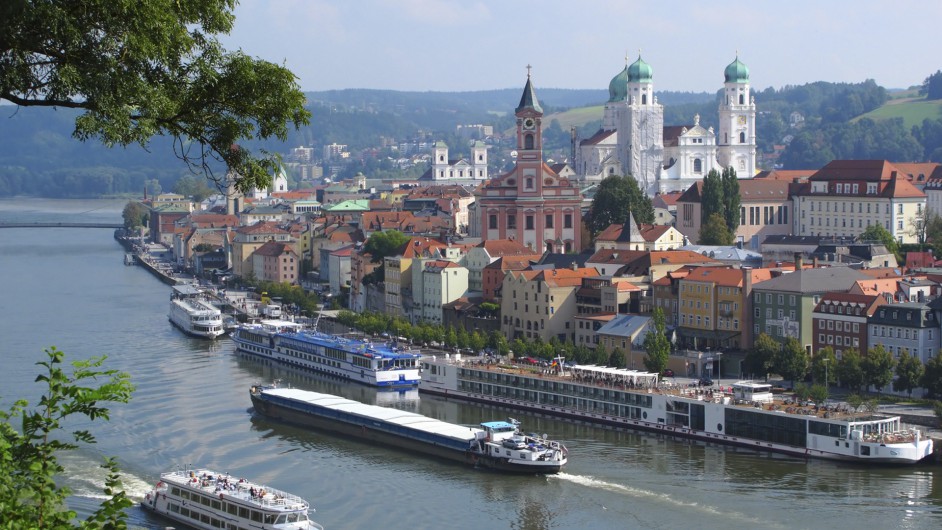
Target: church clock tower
column 529, row 142
column 737, row 138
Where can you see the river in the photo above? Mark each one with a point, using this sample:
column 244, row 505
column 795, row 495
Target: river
column 69, row 288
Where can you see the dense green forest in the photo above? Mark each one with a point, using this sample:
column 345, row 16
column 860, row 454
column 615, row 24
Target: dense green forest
column 40, row 157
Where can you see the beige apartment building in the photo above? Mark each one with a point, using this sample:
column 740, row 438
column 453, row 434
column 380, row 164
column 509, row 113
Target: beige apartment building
column 541, row 303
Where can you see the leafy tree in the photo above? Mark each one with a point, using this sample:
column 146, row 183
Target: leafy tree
column 135, row 215
column 932, row 377
column 451, row 337
column 850, row 370
column 383, row 244
column 195, row 188
column 476, row 341
column 498, row 341
column 854, row 401
column 759, row 359
column 909, row 371
column 932, row 86
column 616, row 196
column 792, row 360
column 29, row 496
column 711, row 197
column 151, row 68
column 878, row 367
column 818, row 393
column 876, row 232
column 715, row 232
column 824, row 366
column 617, row 359
column 656, row 344
column 731, row 199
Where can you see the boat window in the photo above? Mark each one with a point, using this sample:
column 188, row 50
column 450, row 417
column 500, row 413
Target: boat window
column 232, row 508
column 256, row 516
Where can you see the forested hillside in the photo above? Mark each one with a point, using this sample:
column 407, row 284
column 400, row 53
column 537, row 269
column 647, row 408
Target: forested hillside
column 39, row 156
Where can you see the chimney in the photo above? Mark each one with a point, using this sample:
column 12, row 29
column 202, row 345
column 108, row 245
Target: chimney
column 799, row 261
column 814, row 263
column 574, row 266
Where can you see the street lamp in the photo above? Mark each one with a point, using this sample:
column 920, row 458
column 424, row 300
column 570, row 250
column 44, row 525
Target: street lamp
column 719, row 371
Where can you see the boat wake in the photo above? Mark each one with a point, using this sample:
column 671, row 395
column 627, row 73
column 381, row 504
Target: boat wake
column 664, row 498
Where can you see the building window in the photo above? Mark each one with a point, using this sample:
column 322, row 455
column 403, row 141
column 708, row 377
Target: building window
column 529, row 221
column 567, row 220
column 549, row 221
column 492, row 221
column 511, row 222
column 697, row 165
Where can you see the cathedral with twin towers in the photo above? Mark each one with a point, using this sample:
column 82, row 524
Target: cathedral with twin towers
column 633, row 139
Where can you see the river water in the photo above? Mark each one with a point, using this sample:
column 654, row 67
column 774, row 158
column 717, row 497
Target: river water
column 69, row 288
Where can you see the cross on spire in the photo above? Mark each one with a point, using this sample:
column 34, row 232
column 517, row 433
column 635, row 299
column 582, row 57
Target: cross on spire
column 528, row 71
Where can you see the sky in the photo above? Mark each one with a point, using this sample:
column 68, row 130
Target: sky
column 455, row 45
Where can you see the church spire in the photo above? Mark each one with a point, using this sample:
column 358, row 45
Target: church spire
column 528, row 99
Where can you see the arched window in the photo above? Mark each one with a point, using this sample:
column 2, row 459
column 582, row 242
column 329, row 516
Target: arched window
column 697, row 166
column 528, row 141
column 742, row 137
column 742, row 99
column 644, row 99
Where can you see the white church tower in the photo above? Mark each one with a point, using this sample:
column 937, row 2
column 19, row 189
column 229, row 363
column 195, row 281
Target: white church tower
column 737, row 138
column 641, row 131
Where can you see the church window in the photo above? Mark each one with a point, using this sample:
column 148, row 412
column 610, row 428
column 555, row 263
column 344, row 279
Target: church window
column 529, row 225
column 697, row 165
column 529, row 183
column 742, row 137
column 528, row 141
column 511, row 222
column 567, row 220
column 549, row 220
column 742, row 165
column 492, row 221
column 644, row 99
column 441, row 158
column 742, row 99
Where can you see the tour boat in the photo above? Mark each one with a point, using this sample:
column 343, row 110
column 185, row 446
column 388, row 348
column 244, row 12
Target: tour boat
column 372, row 363
column 209, row 500
column 193, row 314
column 745, row 414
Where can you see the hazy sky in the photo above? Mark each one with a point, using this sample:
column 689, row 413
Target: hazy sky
column 453, row 45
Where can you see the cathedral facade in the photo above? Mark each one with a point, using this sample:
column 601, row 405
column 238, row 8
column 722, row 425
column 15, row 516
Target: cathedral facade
column 633, row 139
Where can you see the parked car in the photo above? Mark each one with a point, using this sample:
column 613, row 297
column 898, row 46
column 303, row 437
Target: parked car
column 706, row 381
column 668, row 373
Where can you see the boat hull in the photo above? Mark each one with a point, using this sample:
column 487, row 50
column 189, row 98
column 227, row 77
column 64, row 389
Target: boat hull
column 372, row 431
column 818, row 447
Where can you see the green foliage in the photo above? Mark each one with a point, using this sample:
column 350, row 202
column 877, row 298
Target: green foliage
column 135, row 215
column 616, row 196
column 151, row 68
column 791, row 362
column 818, row 393
column 711, row 197
column 383, row 244
column 617, row 359
column 498, row 341
column 876, row 232
column 854, row 401
column 824, row 365
column 909, row 372
column 732, row 201
column 759, row 360
column 802, row 392
column 656, row 344
column 878, row 367
column 192, row 187
column 932, row 86
column 864, row 139
column 29, row 496
column 715, row 232
column 929, row 134
column 850, row 370
column 932, row 377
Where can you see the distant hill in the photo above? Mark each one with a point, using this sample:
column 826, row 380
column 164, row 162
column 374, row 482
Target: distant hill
column 913, row 110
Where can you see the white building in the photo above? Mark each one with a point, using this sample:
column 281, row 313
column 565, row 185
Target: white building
column 442, row 282
column 633, row 139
